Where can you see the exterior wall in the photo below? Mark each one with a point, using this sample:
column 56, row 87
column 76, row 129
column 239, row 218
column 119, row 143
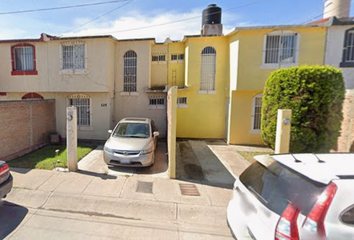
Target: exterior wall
column 25, row 126
column 136, row 104
column 159, row 69
column 241, row 116
column 99, row 76
column 205, row 115
column 346, row 139
column 251, row 75
column 334, row 52
column 176, row 68
column 248, row 74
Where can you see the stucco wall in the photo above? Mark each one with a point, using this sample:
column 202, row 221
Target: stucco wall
column 99, row 76
column 24, row 126
column 159, row 69
column 205, row 115
column 176, row 68
column 136, row 104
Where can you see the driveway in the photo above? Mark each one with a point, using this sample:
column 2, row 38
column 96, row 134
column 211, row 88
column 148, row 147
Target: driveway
column 94, row 162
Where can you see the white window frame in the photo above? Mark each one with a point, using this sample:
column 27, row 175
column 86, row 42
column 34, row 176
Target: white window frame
column 280, row 64
column 158, row 58
column 182, row 102
column 82, row 96
column 157, row 104
column 207, row 71
column 179, row 58
column 73, row 70
column 134, row 74
column 255, row 130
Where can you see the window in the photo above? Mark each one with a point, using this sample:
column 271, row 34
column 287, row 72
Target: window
column 207, row 75
column 257, row 111
column 130, row 71
column 157, row 102
column 177, row 57
column 158, row 57
column 182, row 102
column 73, row 57
column 32, row 96
column 348, row 49
column 280, row 48
column 23, row 59
column 82, row 104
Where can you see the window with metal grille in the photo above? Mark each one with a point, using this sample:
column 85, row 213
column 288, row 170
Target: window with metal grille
column 280, row 48
column 348, row 49
column 82, row 104
column 182, row 102
column 257, row 111
column 157, row 102
column 23, row 59
column 177, row 57
column 73, row 56
column 158, row 57
column 130, row 71
column 207, row 72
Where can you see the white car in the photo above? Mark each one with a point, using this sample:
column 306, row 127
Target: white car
column 294, row 197
column 132, row 143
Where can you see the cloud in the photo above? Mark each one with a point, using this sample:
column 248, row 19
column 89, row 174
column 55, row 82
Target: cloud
column 138, row 25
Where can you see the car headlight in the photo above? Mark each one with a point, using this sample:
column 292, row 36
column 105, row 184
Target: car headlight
column 147, row 151
column 108, row 150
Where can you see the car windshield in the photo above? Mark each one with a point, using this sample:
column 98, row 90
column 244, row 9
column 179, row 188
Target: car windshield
column 133, row 130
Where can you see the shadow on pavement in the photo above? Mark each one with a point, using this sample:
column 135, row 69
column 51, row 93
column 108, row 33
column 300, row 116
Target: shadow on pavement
column 20, row 170
column 95, row 174
column 11, row 216
column 197, row 163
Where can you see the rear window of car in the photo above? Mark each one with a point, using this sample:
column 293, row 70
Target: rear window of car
column 348, row 215
column 276, row 185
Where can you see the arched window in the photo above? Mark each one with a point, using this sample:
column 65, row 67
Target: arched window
column 130, row 71
column 32, row 96
column 280, row 47
column 83, row 105
column 257, row 112
column 348, row 49
column 208, row 68
column 23, row 57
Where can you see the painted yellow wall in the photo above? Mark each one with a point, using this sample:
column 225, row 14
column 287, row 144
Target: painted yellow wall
column 241, row 119
column 205, row 115
column 159, row 69
column 251, row 75
column 176, row 68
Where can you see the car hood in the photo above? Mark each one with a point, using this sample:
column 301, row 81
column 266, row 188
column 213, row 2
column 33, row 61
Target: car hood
column 129, row 144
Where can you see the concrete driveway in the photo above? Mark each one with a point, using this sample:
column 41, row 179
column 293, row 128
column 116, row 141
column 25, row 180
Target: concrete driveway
column 94, row 162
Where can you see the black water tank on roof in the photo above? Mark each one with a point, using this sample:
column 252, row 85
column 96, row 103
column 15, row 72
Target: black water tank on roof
column 211, row 15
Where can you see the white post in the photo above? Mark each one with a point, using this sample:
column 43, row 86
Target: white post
column 282, row 140
column 71, row 138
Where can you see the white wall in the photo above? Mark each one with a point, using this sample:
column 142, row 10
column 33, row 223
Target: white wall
column 334, row 52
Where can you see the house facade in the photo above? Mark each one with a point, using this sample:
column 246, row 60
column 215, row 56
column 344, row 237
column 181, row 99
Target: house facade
column 104, row 78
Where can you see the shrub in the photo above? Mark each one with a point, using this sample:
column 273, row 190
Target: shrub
column 315, row 94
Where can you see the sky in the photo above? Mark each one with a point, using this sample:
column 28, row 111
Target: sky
column 125, row 19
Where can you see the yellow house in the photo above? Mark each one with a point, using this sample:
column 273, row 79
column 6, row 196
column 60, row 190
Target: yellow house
column 199, row 67
column 221, row 78
column 254, row 53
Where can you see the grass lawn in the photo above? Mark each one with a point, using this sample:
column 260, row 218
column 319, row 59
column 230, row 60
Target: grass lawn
column 249, row 155
column 43, row 158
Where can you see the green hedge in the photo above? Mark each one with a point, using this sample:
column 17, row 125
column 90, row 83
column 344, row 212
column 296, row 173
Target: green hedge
column 315, row 95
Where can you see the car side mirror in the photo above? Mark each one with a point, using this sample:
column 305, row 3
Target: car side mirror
column 109, row 131
column 156, row 134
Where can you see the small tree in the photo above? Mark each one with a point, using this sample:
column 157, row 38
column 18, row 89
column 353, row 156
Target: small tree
column 315, row 95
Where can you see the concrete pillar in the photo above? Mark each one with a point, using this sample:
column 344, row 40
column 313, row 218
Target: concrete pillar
column 171, row 127
column 71, row 138
column 282, row 140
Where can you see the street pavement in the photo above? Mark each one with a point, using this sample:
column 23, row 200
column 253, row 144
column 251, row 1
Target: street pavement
column 98, row 202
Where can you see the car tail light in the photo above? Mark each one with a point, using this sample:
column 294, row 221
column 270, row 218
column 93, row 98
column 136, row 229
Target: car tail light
column 315, row 219
column 287, row 226
column 4, row 169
